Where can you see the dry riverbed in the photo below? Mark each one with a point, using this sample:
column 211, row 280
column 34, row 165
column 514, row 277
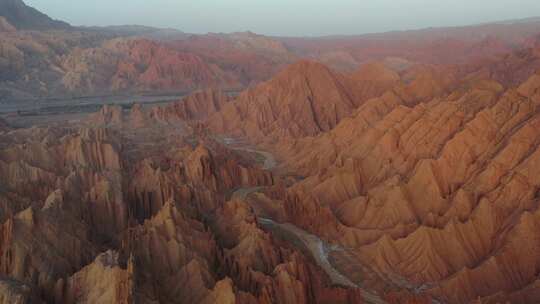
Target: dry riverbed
column 317, row 248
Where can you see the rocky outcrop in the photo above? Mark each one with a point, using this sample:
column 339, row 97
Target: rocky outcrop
column 197, row 106
column 108, row 115
column 252, row 58
column 27, row 239
column 259, row 263
column 305, row 99
column 115, row 116
column 14, row 292
column 260, row 43
column 150, row 65
column 197, row 175
column 78, row 171
column 173, row 254
column 375, row 78
column 103, row 281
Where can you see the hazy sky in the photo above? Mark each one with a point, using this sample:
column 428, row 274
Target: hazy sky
column 287, row 17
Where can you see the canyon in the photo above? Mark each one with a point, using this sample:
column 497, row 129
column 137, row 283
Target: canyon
column 430, row 184
column 395, row 168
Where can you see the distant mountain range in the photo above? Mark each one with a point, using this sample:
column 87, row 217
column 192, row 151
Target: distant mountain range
column 25, row 17
column 39, row 62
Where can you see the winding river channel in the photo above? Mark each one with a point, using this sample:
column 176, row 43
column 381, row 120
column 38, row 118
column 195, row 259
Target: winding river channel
column 317, row 248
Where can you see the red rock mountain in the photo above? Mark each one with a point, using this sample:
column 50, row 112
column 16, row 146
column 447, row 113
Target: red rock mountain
column 433, row 183
column 304, row 99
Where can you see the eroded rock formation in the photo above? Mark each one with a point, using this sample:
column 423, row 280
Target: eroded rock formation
column 91, row 213
column 305, row 99
column 197, row 106
column 409, row 182
column 432, row 184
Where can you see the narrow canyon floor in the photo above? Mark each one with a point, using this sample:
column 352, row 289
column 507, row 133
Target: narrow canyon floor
column 342, row 268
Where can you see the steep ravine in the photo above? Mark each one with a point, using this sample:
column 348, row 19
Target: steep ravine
column 317, row 248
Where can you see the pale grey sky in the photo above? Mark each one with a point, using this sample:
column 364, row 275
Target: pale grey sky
column 287, row 17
